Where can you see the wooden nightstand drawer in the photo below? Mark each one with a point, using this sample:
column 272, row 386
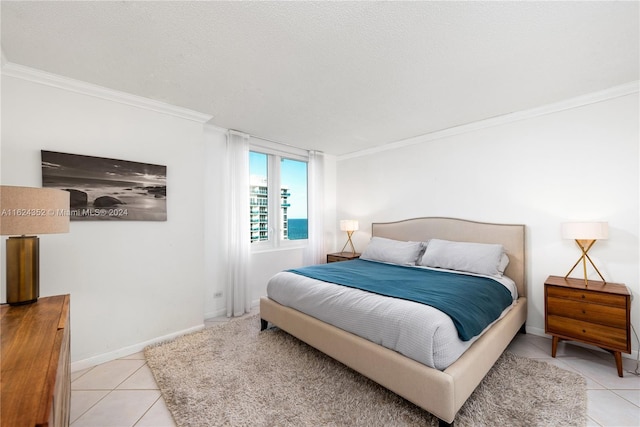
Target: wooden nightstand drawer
column 595, row 313
column 591, row 333
column 587, row 296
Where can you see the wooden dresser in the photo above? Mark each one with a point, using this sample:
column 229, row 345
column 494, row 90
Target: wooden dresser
column 36, row 368
column 595, row 313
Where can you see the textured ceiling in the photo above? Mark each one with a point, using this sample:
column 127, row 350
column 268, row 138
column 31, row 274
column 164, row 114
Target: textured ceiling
column 334, row 76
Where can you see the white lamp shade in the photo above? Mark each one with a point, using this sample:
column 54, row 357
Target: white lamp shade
column 585, row 230
column 26, row 210
column 348, row 225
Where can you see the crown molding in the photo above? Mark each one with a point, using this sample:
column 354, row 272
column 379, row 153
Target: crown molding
column 579, row 101
column 210, row 127
column 66, row 83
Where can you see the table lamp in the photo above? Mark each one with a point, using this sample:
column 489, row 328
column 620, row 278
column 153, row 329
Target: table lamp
column 24, row 212
column 349, row 225
column 585, row 234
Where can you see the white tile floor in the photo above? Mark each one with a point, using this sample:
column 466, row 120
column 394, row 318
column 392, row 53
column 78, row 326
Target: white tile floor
column 123, row 393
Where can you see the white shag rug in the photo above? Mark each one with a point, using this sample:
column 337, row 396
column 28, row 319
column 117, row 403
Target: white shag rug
column 234, row 375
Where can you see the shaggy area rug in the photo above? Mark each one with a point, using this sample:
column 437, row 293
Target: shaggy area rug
column 234, row 375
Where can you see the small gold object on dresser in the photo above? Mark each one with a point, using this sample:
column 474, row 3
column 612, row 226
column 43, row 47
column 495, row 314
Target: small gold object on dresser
column 593, row 313
column 35, row 359
column 342, row 256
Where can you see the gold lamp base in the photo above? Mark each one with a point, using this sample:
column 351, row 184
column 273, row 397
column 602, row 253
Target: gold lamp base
column 584, row 246
column 349, row 242
column 23, row 269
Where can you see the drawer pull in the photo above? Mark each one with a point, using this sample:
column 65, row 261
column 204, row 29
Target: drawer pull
column 584, row 311
column 584, row 331
column 583, row 296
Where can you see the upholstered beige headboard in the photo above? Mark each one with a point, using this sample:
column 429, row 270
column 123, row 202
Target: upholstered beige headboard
column 511, row 236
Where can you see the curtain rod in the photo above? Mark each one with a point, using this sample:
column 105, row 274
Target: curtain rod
column 272, row 141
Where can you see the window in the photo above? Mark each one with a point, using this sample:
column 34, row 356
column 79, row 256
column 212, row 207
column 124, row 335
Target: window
column 278, row 198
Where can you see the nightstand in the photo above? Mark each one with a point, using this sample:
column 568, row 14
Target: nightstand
column 594, row 313
column 342, row 256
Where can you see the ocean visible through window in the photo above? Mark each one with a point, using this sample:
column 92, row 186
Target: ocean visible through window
column 298, row 228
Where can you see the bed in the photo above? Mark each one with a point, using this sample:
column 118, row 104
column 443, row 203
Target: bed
column 440, row 391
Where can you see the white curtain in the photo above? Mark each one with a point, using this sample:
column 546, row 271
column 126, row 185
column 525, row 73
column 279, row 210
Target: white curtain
column 237, row 223
column 314, row 253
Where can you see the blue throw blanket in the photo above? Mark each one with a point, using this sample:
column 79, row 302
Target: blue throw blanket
column 471, row 302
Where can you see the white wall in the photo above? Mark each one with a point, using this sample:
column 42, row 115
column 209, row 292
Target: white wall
column 132, row 281
column 577, row 164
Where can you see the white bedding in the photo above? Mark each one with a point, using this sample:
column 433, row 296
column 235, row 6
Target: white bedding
column 415, row 330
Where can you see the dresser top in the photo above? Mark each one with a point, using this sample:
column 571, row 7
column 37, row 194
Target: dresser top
column 591, row 285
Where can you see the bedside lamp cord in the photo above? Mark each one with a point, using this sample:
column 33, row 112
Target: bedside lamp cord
column 636, row 372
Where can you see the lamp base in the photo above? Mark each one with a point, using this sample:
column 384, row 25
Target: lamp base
column 584, row 246
column 349, row 242
column 23, row 270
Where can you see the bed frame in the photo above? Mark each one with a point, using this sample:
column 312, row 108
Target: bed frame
column 442, row 393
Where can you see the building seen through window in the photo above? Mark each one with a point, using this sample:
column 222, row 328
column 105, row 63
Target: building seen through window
column 281, row 212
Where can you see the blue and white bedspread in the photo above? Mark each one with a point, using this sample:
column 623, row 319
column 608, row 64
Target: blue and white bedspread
column 406, row 322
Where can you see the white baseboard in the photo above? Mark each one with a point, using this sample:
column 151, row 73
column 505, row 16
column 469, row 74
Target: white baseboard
column 218, row 313
column 221, row 312
column 127, row 351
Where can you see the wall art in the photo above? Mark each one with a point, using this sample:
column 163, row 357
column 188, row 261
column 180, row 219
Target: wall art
column 107, row 189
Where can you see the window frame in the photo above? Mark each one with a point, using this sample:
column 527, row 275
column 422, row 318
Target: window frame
column 275, row 153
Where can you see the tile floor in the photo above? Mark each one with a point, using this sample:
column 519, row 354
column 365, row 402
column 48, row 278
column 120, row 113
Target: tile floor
column 123, row 393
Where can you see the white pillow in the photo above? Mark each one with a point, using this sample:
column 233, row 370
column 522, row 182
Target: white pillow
column 392, row 251
column 479, row 258
column 504, row 262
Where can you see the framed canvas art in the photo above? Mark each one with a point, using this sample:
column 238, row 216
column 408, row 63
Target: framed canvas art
column 107, row 189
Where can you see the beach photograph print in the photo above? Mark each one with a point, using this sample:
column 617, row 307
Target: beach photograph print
column 107, row 189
